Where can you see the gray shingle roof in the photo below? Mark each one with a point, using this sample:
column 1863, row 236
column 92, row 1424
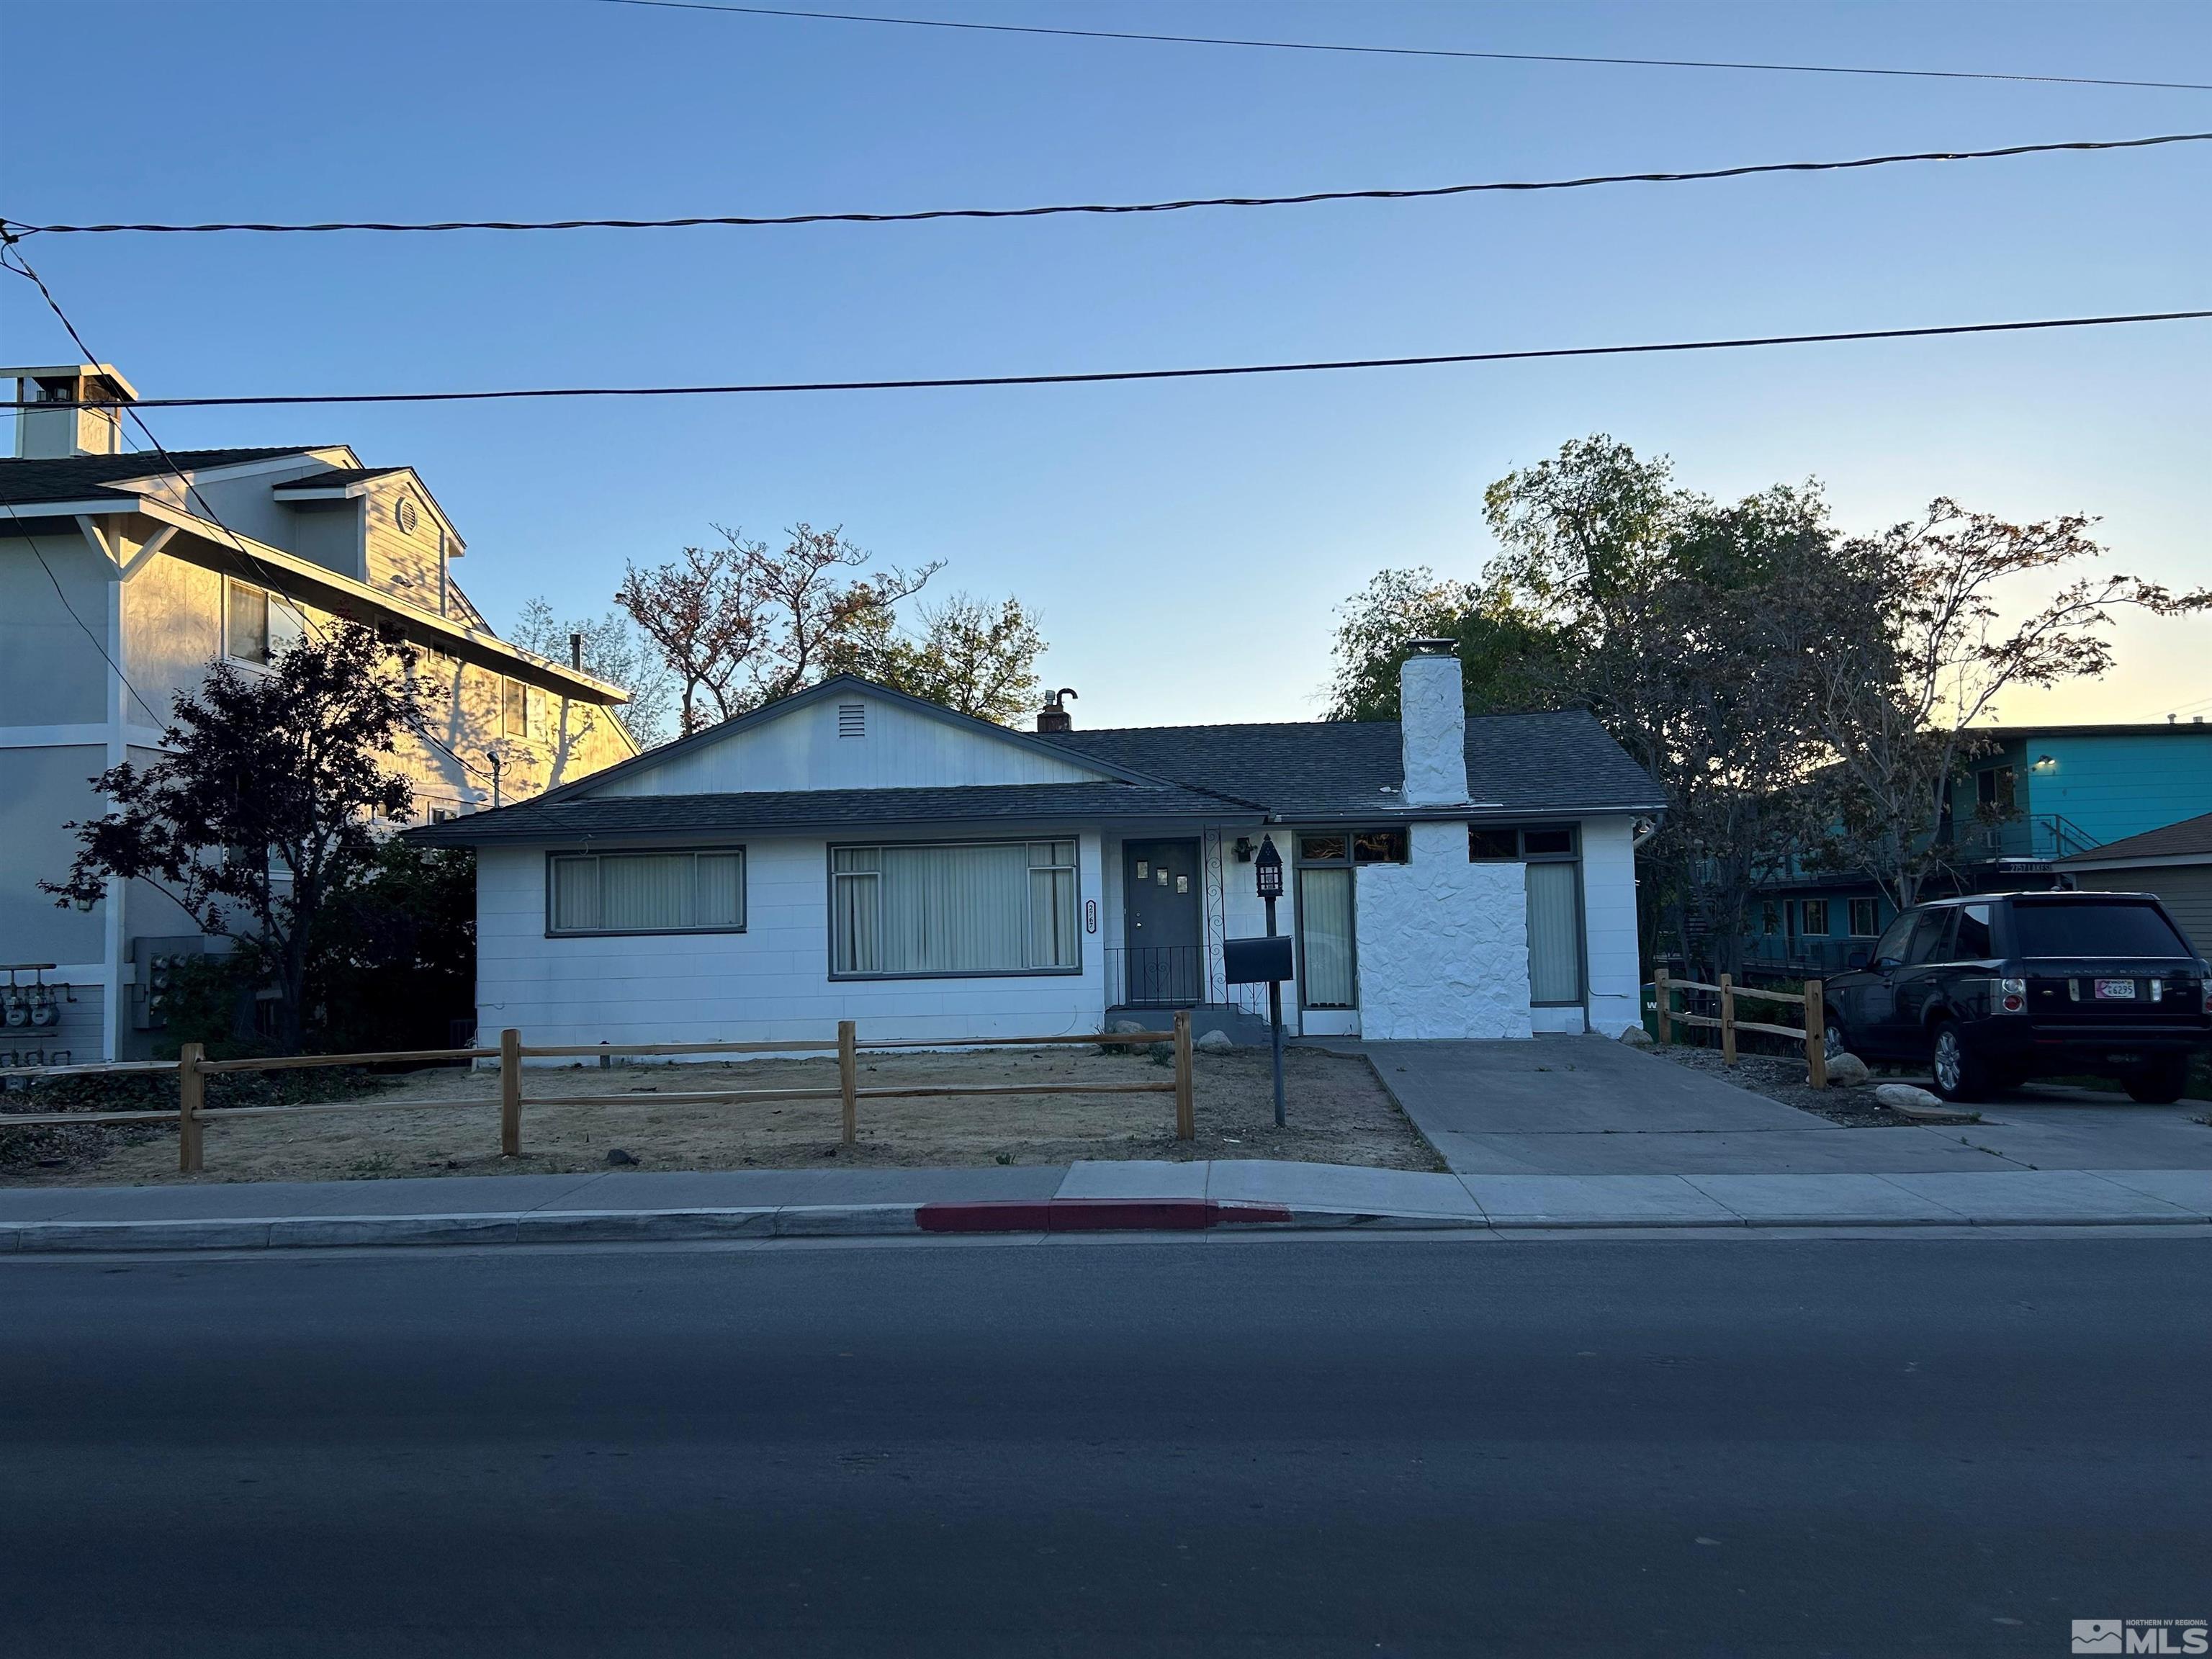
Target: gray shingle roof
column 791, row 811
column 2192, row 837
column 1518, row 764
column 75, row 477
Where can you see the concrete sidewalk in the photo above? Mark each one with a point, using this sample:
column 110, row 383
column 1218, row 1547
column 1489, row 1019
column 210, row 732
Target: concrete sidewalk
column 1090, row 1197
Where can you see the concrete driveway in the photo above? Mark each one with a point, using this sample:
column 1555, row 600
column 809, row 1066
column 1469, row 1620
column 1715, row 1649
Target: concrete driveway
column 1584, row 1105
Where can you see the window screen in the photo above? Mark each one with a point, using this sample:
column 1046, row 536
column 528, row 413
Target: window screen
column 649, row 893
column 991, row 908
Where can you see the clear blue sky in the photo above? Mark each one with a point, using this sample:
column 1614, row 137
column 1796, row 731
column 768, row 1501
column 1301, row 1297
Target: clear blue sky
column 1186, row 543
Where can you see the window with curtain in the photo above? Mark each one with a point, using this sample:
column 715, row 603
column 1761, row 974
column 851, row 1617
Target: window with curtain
column 1555, row 957
column 700, row 890
column 1326, row 978
column 966, row 908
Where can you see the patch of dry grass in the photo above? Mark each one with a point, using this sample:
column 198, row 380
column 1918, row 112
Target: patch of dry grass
column 1339, row 1113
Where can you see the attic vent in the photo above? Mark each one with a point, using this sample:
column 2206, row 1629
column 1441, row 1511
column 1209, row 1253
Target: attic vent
column 852, row 719
column 406, row 515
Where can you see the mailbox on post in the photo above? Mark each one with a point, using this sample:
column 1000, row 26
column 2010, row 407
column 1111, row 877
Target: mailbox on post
column 1257, row 961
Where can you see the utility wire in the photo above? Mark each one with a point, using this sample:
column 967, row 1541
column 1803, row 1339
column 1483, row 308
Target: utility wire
column 1405, row 52
column 16, row 230
column 12, row 259
column 1098, row 376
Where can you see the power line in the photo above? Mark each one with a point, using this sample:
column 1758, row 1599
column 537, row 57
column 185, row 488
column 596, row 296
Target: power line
column 1407, row 51
column 12, row 259
column 16, row 230
column 1098, row 376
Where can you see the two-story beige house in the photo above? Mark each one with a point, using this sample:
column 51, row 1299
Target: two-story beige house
column 122, row 578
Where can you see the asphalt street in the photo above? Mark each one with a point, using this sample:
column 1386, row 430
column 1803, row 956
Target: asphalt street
column 1877, row 1445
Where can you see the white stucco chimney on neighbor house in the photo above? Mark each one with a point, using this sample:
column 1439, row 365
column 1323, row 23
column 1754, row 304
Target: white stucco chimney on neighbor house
column 69, row 409
column 1432, row 725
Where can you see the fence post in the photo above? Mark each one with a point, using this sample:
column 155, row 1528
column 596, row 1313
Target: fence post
column 1185, row 1109
column 192, row 1095
column 510, row 1093
column 1661, row 998
column 849, row 1076
column 1728, row 1019
column 1816, row 1034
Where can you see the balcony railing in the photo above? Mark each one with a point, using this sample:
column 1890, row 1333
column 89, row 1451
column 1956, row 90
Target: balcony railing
column 2040, row 835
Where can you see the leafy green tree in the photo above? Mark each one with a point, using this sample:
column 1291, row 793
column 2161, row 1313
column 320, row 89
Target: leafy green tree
column 968, row 654
column 1655, row 608
column 1508, row 656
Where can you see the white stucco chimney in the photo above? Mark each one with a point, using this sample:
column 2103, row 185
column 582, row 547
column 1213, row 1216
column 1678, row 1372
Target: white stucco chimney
column 1432, row 725
column 56, row 423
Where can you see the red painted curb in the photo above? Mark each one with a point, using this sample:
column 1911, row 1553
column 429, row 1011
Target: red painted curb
column 1090, row 1215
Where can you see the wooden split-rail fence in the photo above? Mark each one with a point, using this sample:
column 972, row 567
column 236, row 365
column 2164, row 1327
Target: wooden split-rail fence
column 191, row 1069
column 1813, row 1033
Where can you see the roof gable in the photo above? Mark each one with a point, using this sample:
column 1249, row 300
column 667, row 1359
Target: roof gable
column 845, row 733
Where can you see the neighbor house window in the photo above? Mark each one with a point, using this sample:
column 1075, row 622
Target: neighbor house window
column 1866, row 918
column 1770, row 917
column 258, row 626
column 1993, row 788
column 700, row 890
column 1816, row 918
column 514, row 708
column 952, row 908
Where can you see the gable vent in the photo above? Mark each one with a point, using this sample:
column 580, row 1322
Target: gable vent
column 852, row 719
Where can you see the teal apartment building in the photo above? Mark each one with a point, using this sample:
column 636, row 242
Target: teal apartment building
column 2044, row 793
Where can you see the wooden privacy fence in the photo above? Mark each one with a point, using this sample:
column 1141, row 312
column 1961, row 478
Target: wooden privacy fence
column 192, row 1069
column 1814, row 1032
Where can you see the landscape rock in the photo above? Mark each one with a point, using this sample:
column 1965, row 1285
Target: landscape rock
column 618, row 1157
column 1214, row 1042
column 1921, row 1106
column 1850, row 1072
column 1903, row 1097
column 1636, row 1037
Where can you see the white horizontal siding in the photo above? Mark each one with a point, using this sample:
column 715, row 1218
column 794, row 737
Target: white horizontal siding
column 903, row 749
column 770, row 982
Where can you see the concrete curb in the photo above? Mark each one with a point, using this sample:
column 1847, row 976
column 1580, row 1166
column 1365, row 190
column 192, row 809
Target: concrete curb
column 891, row 1221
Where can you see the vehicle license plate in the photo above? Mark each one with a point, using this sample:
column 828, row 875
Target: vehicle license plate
column 2116, row 990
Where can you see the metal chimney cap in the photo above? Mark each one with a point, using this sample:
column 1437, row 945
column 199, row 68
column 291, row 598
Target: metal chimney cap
column 1433, row 647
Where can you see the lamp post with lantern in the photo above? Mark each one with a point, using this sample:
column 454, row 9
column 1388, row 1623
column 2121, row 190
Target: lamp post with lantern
column 1268, row 871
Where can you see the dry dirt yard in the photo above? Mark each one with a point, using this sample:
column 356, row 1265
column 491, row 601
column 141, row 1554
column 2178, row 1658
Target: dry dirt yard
column 1339, row 1113
column 1783, row 1079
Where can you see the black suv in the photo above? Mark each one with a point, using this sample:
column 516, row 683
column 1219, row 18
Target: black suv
column 1995, row 987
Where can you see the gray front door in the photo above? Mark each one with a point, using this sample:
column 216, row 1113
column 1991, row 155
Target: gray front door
column 1162, row 930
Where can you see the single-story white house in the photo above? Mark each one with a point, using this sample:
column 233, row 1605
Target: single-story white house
column 853, row 853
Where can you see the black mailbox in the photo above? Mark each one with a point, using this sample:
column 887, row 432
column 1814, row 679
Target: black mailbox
column 1257, row 960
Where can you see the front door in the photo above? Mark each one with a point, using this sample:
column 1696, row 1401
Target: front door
column 1162, row 932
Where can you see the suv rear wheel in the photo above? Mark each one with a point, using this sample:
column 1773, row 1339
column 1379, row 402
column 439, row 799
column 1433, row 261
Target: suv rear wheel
column 2161, row 1083
column 1960, row 1074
